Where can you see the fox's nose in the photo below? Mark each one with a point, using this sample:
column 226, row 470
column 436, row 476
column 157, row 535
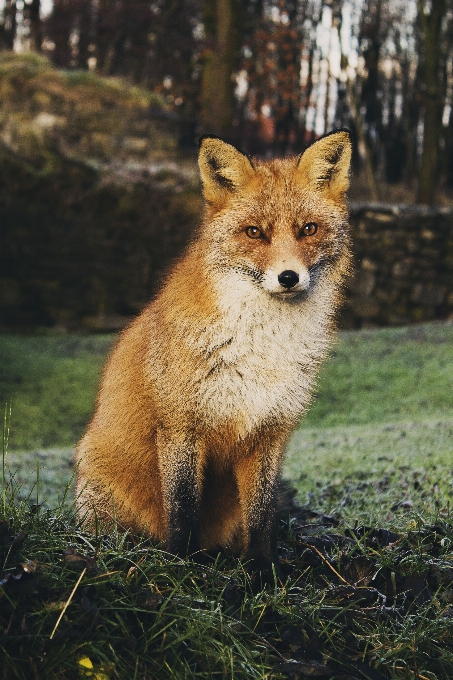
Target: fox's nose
column 288, row 278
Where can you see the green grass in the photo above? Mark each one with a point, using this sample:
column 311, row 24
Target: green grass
column 373, row 456
column 50, row 382
column 355, row 603
column 385, row 400
column 384, row 411
column 386, row 375
column 360, row 473
column 52, row 467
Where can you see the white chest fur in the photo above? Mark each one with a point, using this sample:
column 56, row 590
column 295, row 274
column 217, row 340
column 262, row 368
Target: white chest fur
column 260, row 358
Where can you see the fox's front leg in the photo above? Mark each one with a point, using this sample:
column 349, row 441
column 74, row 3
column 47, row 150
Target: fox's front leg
column 257, row 477
column 179, row 470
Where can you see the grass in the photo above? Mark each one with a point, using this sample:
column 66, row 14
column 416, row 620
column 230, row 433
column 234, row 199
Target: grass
column 386, row 375
column 383, row 393
column 50, row 382
column 367, row 555
column 383, row 418
column 373, row 474
column 355, row 603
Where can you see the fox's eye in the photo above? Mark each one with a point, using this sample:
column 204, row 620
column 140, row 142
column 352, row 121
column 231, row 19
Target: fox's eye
column 254, row 232
column 309, row 229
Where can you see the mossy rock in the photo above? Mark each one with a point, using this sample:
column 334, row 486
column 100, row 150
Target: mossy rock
column 95, row 198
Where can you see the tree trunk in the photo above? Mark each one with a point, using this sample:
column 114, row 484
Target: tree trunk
column 85, row 33
column 359, row 124
column 107, row 19
column 430, row 30
column 306, row 96
column 60, row 25
column 363, row 143
column 217, row 89
column 33, row 10
column 9, row 25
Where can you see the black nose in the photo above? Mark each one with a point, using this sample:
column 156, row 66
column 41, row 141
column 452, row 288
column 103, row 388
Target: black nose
column 288, row 278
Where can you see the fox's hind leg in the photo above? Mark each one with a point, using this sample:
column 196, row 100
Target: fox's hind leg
column 93, row 505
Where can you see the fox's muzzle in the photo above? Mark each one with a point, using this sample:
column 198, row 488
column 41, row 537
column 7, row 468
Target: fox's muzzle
column 286, row 282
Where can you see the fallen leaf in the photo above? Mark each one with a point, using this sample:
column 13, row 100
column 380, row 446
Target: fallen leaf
column 18, row 542
column 79, row 561
column 308, row 669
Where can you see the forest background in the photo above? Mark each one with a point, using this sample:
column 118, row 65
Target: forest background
column 102, row 103
column 271, row 75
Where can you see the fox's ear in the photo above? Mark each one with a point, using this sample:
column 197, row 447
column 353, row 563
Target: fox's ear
column 223, row 169
column 325, row 164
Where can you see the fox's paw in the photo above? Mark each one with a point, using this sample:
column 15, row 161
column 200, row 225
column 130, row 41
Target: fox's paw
column 264, row 571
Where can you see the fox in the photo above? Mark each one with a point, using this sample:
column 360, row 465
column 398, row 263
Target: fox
column 204, row 388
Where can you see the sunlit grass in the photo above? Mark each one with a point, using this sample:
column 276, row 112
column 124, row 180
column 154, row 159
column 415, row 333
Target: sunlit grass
column 364, row 473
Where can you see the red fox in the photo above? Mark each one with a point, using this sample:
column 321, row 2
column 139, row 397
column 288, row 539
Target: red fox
column 203, row 389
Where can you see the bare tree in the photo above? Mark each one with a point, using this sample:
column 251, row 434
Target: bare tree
column 280, row 59
column 59, row 27
column 8, row 25
column 191, row 51
column 372, row 112
column 32, row 15
column 219, row 58
column 430, row 18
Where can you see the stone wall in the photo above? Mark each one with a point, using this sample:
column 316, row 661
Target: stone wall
column 91, row 262
column 403, row 265
column 83, row 250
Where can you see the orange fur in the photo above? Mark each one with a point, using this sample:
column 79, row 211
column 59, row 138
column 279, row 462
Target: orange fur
column 203, row 389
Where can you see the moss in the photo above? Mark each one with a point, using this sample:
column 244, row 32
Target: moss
column 86, row 229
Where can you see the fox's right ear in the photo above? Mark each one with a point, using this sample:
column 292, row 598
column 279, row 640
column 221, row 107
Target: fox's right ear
column 223, row 169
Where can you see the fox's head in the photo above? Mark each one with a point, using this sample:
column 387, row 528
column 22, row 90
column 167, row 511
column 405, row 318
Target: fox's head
column 279, row 223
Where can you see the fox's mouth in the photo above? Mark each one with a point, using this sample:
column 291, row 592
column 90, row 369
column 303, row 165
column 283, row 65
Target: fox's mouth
column 290, row 293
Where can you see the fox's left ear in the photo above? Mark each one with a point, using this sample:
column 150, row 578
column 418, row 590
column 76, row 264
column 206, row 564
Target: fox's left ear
column 325, row 164
column 223, row 169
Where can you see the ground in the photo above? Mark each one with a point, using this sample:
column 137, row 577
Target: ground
column 366, row 550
